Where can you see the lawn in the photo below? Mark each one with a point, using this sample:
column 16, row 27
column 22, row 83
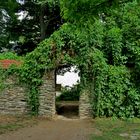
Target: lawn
column 114, row 129
column 12, row 123
column 105, row 128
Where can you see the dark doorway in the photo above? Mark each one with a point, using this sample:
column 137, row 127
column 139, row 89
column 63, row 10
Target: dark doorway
column 68, row 109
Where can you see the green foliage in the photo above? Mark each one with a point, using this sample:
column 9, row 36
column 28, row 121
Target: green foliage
column 116, row 95
column 101, row 38
column 2, row 86
column 12, row 70
column 10, row 55
column 7, row 10
column 71, row 94
column 115, row 129
column 41, row 18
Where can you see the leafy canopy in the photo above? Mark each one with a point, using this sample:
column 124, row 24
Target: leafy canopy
column 102, row 39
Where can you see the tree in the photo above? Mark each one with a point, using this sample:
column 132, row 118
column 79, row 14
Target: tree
column 40, row 20
column 7, row 10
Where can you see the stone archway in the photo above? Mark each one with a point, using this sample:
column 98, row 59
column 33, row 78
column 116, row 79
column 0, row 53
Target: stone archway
column 47, row 98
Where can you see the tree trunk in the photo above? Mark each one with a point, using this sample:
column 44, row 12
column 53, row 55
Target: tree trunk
column 42, row 24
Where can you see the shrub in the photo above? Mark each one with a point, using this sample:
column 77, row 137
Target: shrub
column 71, row 94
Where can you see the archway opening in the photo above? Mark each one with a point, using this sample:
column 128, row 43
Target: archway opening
column 67, row 91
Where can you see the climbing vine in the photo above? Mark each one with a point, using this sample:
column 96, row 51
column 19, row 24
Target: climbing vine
column 104, row 46
column 9, row 65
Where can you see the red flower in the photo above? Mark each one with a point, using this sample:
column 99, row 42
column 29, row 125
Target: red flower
column 7, row 63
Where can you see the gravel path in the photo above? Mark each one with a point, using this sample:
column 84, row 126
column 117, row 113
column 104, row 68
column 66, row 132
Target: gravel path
column 54, row 130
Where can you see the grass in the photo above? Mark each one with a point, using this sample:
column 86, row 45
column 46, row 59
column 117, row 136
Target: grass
column 107, row 128
column 10, row 123
column 114, row 129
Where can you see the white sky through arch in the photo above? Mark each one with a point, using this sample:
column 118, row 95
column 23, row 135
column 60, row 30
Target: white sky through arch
column 69, row 78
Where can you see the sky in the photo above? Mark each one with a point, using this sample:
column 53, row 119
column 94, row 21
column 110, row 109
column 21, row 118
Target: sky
column 69, row 78
column 20, row 1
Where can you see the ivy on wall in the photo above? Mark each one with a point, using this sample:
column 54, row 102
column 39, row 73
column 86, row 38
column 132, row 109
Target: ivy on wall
column 9, row 65
column 104, row 46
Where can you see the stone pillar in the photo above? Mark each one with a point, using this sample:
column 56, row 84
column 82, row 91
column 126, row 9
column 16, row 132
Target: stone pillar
column 85, row 109
column 47, row 95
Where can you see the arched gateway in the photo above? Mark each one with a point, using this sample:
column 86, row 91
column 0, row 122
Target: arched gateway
column 47, row 106
column 13, row 98
column 60, row 49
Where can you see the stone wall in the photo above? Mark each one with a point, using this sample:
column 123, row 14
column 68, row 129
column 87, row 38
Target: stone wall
column 47, row 99
column 12, row 98
column 47, row 96
column 85, row 109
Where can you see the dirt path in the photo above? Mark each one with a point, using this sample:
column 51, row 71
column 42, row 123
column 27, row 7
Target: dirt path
column 54, row 130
